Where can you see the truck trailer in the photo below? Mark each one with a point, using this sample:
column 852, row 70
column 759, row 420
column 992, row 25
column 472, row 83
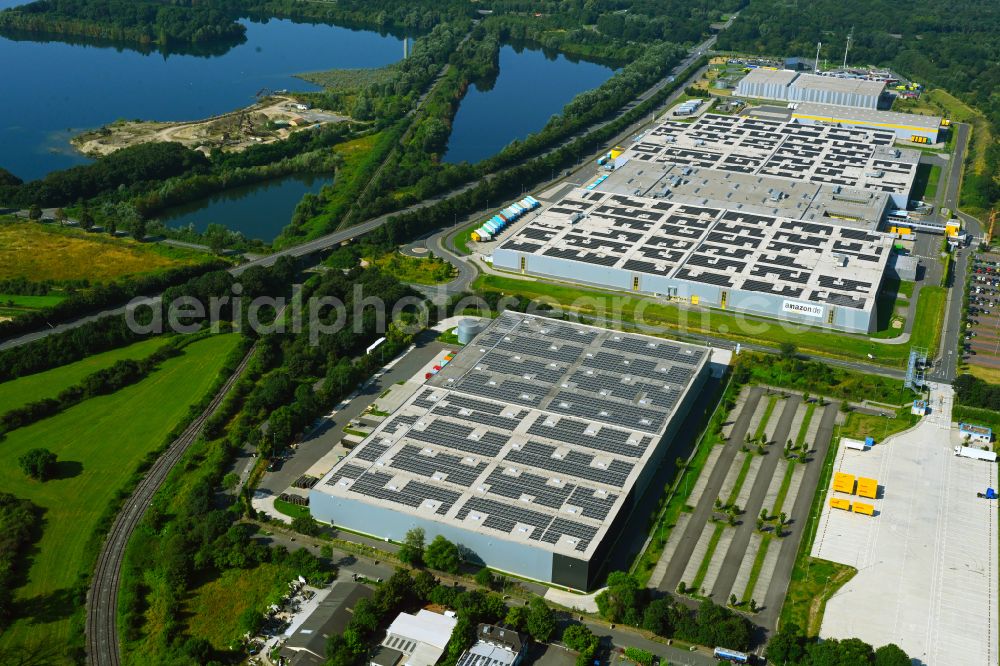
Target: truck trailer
column 975, row 454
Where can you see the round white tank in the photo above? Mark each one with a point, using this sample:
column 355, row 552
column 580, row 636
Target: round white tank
column 469, row 328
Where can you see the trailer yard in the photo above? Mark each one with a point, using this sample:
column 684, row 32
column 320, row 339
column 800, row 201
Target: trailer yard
column 927, row 557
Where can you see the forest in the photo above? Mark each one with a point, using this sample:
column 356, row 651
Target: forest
column 160, row 23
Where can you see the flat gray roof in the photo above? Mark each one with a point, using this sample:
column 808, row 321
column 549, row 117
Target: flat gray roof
column 535, row 432
column 823, row 263
column 790, row 79
column 888, row 120
column 846, row 156
column 762, row 195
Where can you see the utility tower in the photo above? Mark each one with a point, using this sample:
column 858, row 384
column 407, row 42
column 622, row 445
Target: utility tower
column 850, row 37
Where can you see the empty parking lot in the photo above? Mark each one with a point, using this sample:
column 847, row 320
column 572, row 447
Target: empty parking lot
column 927, row 559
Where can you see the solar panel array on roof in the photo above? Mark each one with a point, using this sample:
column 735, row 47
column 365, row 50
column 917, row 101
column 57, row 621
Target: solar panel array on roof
column 728, row 248
column 492, row 440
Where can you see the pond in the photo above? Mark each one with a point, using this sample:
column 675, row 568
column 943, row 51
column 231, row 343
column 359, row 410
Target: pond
column 68, row 88
column 258, row 211
column 532, row 86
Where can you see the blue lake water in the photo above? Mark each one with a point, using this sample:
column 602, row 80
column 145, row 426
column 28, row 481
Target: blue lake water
column 531, row 87
column 259, row 211
column 61, row 89
column 70, row 87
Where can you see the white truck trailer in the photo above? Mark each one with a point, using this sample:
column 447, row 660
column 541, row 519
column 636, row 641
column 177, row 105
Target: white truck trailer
column 975, row 454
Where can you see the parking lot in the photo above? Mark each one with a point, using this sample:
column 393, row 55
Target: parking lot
column 927, row 558
column 982, row 325
column 724, row 547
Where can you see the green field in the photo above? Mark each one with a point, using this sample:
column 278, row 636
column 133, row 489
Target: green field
column 419, row 270
column 99, row 443
column 48, row 384
column 214, row 608
column 733, row 326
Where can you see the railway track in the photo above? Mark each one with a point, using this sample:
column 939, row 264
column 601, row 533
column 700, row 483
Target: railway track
column 103, row 648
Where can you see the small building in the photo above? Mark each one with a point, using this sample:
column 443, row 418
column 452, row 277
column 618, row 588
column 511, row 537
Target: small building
column 307, row 644
column 919, row 408
column 975, row 433
column 903, row 267
column 798, row 64
column 494, row 646
column 415, row 640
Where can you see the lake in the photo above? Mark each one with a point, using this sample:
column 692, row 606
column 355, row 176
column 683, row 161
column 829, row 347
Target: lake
column 532, row 86
column 259, row 211
column 60, row 89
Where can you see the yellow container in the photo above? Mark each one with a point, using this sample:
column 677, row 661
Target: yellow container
column 838, row 503
column 867, row 487
column 867, row 509
column 843, row 483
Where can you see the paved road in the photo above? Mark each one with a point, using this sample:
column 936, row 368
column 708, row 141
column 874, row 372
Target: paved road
column 945, row 368
column 755, row 502
column 321, row 440
column 706, row 505
column 103, row 648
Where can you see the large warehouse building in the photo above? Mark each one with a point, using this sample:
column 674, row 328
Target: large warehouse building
column 530, row 449
column 904, row 125
column 838, row 156
column 820, row 274
column 789, row 86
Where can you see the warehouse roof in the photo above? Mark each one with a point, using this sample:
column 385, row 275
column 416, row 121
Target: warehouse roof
column 535, row 432
column 762, row 195
column 851, row 157
column 731, row 249
column 890, row 120
column 786, row 78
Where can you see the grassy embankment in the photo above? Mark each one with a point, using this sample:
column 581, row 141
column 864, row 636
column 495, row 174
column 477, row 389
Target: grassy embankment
column 941, row 102
column 733, row 326
column 48, row 252
column 50, row 383
column 925, row 184
column 99, row 444
column 419, row 270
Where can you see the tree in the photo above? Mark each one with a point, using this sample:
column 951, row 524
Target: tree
column 541, row 622
column 138, row 228
column 86, row 219
column 305, row 524
column 517, row 618
column 250, row 622
column 35, row 213
column 891, row 655
column 622, row 600
column 787, row 350
column 39, row 464
column 230, row 481
column 659, row 617
column 442, row 554
column 61, row 216
column 787, row 646
column 484, row 577
column 412, row 550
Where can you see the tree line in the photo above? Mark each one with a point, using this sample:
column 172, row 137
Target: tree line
column 625, row 601
column 100, row 296
column 147, row 22
column 974, row 392
column 101, row 382
column 19, row 521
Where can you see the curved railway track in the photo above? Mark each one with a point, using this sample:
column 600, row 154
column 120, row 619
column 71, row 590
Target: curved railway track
column 102, row 598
